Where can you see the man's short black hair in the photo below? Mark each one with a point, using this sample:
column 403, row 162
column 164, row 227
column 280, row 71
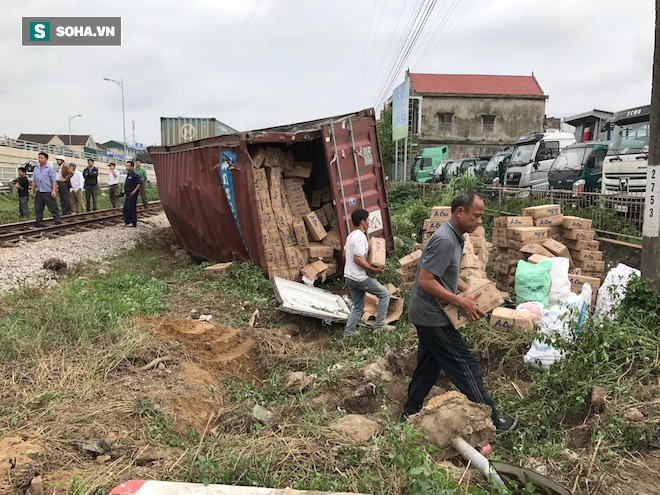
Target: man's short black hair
column 111, row 164
column 138, row 160
column 464, row 199
column 358, row 216
column 90, row 160
column 21, row 169
column 131, row 162
column 45, row 155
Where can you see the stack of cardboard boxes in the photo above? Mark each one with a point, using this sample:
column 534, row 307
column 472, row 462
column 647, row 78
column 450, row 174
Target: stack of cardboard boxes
column 475, row 257
column 408, row 270
column 439, row 216
column 298, row 235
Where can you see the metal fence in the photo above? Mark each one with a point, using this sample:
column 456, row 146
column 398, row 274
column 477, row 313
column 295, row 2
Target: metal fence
column 616, row 215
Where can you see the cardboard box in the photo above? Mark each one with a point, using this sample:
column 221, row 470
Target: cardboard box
column 513, row 222
column 578, row 235
column 577, row 223
column 318, row 250
column 432, row 225
column 407, row 286
column 316, row 199
column 501, row 267
column 537, row 258
column 541, row 211
column 479, row 232
column 527, row 233
column 406, row 277
column 511, row 319
column 440, row 213
column 394, row 310
column 259, row 157
column 500, row 242
column 294, row 185
column 471, row 282
column 300, row 233
column 316, row 269
column 300, row 169
column 291, row 257
column 477, row 242
column 333, row 239
column 502, row 258
column 487, row 298
column 329, row 211
column 326, row 194
column 557, row 248
column 516, row 245
column 553, row 221
column 533, row 248
column 590, row 266
column 377, row 252
column 410, row 262
column 598, row 275
column 575, row 271
column 314, row 226
column 577, row 281
column 472, row 273
column 556, row 230
column 320, row 213
column 471, row 261
column 288, row 239
column 587, row 255
column 582, row 245
column 218, row 270
column 333, row 268
column 499, row 231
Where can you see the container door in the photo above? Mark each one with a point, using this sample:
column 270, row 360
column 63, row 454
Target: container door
column 356, row 174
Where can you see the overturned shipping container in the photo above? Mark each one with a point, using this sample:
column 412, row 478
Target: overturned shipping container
column 281, row 197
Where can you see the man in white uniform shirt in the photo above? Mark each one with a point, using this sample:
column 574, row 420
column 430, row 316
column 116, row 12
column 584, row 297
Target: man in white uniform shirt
column 113, row 184
column 357, row 279
column 77, row 184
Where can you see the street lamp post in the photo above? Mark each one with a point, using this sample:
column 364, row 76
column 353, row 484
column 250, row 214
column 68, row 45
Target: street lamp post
column 70, row 119
column 120, row 83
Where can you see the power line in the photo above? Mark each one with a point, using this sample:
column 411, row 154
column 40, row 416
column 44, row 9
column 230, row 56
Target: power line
column 409, row 40
column 364, row 50
column 438, row 31
column 387, row 50
column 373, row 40
column 410, row 47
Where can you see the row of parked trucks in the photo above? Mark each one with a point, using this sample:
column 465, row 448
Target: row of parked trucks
column 554, row 159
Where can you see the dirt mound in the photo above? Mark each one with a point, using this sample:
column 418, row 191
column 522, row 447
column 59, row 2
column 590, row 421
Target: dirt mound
column 21, row 455
column 220, row 349
column 452, row 414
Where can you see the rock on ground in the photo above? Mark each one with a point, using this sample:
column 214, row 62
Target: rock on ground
column 356, row 429
column 21, row 266
column 452, row 415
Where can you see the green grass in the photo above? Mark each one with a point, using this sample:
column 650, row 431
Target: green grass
column 9, row 205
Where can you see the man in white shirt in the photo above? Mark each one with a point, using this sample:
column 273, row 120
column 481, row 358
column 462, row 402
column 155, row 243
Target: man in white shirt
column 357, row 279
column 77, row 184
column 113, row 183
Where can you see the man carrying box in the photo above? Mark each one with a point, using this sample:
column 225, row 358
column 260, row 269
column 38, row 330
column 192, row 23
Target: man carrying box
column 441, row 346
column 357, row 279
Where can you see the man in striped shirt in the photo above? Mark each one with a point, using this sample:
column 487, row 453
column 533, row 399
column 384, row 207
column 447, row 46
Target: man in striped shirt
column 441, row 346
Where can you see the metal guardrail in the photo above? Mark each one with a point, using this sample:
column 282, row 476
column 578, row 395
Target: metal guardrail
column 606, row 210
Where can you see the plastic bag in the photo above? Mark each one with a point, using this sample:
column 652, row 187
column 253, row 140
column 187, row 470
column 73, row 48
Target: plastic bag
column 613, row 290
column 560, row 285
column 556, row 321
column 533, row 281
column 533, row 307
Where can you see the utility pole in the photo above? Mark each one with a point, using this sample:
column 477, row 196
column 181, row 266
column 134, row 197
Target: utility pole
column 651, row 229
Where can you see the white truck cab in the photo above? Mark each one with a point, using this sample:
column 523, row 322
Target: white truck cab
column 532, row 158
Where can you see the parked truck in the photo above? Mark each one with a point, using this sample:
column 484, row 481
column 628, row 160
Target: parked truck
column 426, row 163
column 532, row 157
column 624, row 168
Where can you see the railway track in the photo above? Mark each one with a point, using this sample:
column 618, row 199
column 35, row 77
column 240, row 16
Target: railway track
column 13, row 233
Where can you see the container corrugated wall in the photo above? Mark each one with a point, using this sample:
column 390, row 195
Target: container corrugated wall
column 178, row 130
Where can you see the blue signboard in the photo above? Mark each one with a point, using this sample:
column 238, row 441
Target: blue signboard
column 227, row 164
column 400, row 110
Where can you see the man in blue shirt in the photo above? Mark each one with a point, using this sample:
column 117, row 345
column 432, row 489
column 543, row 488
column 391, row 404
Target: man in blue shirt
column 44, row 191
column 131, row 188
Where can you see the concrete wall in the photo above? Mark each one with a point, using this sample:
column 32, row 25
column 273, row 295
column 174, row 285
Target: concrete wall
column 514, row 117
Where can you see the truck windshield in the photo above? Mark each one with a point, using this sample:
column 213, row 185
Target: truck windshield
column 629, row 138
column 569, row 159
column 494, row 164
column 522, row 154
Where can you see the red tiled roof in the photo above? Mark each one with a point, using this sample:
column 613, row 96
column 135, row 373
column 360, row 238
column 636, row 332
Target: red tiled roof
column 475, row 84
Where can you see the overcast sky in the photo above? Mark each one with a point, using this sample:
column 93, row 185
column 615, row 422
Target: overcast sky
column 256, row 63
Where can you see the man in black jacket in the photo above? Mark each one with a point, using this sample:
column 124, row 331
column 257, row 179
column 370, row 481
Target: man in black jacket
column 91, row 176
column 23, row 188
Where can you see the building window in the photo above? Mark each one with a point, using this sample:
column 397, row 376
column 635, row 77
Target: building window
column 488, row 123
column 444, row 122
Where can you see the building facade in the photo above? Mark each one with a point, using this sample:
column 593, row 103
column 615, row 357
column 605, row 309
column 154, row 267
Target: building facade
column 475, row 115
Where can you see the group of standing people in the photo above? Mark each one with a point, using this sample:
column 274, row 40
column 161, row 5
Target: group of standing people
column 69, row 183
